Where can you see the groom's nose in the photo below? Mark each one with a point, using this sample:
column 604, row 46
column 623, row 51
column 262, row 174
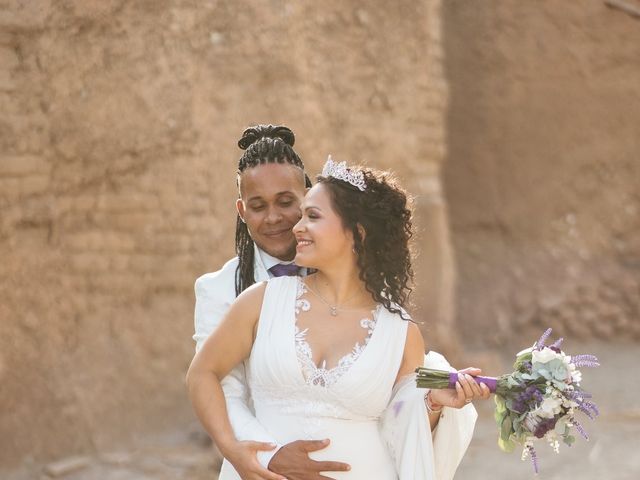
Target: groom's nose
column 273, row 215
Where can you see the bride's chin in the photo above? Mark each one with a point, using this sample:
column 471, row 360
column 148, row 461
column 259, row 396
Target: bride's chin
column 303, row 261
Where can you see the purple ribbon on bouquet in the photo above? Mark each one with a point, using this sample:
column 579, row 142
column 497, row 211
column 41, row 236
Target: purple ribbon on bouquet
column 490, row 382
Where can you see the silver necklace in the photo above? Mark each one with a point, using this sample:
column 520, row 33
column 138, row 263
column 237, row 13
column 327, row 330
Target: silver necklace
column 333, row 309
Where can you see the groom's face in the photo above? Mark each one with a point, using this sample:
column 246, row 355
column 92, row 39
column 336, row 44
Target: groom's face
column 269, row 203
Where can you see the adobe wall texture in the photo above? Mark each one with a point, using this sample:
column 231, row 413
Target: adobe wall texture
column 118, row 124
column 542, row 177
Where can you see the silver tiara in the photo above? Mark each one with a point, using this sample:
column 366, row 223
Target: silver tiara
column 342, row 172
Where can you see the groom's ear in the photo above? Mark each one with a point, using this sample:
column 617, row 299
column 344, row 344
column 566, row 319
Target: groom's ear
column 240, row 209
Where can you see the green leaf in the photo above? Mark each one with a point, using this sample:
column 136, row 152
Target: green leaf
column 506, row 445
column 512, row 382
column 501, row 409
column 521, row 359
column 499, row 416
column 517, row 424
column 506, row 428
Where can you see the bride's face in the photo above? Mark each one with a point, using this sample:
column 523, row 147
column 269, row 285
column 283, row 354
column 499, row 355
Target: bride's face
column 321, row 238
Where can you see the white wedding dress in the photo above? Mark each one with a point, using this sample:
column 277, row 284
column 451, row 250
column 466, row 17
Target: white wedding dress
column 294, row 399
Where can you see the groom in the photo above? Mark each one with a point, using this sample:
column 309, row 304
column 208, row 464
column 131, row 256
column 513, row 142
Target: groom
column 271, row 184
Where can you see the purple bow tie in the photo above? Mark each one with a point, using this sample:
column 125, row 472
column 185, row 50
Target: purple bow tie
column 282, row 269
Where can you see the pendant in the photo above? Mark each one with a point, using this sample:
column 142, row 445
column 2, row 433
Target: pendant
column 334, row 311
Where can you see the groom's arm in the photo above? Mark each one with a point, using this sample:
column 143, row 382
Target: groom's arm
column 213, row 298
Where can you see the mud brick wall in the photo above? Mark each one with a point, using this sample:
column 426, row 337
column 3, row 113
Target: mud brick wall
column 118, row 130
column 542, row 178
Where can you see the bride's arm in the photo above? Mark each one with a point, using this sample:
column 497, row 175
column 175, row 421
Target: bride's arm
column 225, row 348
column 412, row 358
column 413, row 355
column 466, row 387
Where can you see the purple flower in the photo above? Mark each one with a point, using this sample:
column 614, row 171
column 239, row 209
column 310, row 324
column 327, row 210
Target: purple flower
column 540, row 343
column 527, row 400
column 579, row 428
column 534, row 457
column 577, row 395
column 555, row 346
column 591, row 406
column 544, row 426
column 591, row 413
column 585, row 361
column 590, row 409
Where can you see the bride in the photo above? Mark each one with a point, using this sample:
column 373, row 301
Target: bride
column 325, row 351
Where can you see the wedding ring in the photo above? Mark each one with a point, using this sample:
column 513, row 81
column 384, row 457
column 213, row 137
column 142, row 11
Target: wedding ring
column 468, row 400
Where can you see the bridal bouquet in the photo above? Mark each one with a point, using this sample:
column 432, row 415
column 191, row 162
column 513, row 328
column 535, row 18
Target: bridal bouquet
column 538, row 400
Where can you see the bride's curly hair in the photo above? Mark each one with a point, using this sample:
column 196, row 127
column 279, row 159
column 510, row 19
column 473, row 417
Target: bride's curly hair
column 384, row 256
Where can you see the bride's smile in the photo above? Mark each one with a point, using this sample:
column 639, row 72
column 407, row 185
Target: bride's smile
column 321, row 237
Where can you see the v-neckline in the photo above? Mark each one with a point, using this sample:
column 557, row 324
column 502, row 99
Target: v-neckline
column 300, row 290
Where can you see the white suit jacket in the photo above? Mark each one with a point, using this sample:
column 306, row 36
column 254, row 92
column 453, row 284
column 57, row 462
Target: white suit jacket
column 214, row 294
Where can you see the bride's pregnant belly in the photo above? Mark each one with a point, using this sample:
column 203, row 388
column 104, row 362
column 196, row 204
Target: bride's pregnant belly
column 357, row 443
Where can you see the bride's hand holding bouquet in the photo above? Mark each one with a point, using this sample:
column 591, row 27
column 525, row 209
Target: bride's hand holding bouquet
column 466, row 389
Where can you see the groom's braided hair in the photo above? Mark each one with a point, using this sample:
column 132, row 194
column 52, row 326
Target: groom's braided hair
column 262, row 144
column 384, row 254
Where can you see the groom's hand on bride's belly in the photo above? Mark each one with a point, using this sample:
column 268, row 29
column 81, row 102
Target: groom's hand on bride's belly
column 293, row 461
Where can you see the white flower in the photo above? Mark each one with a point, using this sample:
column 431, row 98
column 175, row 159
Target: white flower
column 545, row 355
column 549, row 407
column 522, row 352
column 552, row 438
column 576, row 375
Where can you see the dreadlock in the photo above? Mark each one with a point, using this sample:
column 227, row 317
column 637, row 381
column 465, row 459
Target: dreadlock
column 262, row 144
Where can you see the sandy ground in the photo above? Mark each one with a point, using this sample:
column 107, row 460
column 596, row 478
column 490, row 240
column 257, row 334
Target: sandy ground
column 610, row 454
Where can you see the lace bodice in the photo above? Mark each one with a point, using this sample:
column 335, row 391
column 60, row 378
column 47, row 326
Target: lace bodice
column 283, row 377
column 320, row 375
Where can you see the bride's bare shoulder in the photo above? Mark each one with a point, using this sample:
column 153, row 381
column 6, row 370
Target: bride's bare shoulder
column 251, row 298
column 413, row 351
column 414, row 345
